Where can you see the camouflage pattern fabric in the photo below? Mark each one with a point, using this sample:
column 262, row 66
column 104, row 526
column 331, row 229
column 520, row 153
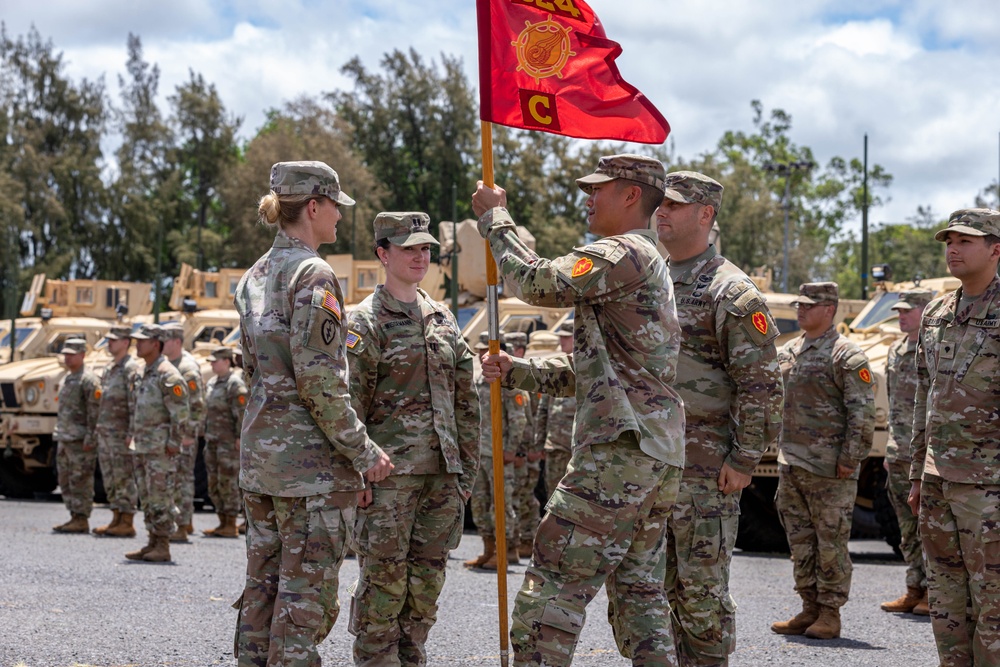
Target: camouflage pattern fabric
column 897, row 486
column 556, row 463
column 76, row 454
column 554, row 431
column 112, row 428
column 154, row 479
column 185, row 461
column 226, row 399
column 295, row 547
column 403, row 539
column 481, row 501
column 527, row 508
column 816, row 512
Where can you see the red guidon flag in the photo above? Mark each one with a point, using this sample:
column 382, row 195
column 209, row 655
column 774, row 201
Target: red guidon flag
column 547, row 65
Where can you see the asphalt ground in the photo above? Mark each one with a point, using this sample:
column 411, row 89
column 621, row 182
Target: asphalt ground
column 74, row 600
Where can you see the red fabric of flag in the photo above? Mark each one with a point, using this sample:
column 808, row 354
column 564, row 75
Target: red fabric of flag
column 547, row 65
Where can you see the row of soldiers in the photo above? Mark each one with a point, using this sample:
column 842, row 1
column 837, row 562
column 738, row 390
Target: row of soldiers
column 142, row 421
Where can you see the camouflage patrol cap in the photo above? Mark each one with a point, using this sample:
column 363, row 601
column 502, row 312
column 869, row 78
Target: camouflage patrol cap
column 818, row 293
column 148, row 332
column 484, row 341
column 307, row 178
column 690, row 187
column 516, row 339
column 637, row 168
column 404, row 229
column 172, row 330
column 913, row 298
column 73, row 346
column 221, row 352
column 564, row 329
column 972, row 221
column 119, row 333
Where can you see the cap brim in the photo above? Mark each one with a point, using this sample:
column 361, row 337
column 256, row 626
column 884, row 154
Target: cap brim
column 586, row 182
column 139, row 336
column 417, row 238
column 673, row 195
column 902, row 306
column 67, row 350
column 961, row 229
column 343, row 199
column 803, row 299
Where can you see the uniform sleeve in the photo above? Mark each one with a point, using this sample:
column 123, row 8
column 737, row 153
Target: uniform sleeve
column 319, row 362
column 918, row 445
column 175, row 400
column 553, row 375
column 92, row 404
column 859, row 403
column 196, row 401
column 236, row 393
column 542, row 421
column 466, row 416
column 363, row 351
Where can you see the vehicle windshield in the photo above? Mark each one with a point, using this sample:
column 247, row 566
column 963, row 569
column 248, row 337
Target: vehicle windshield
column 233, row 337
column 877, row 312
column 22, row 333
column 464, row 315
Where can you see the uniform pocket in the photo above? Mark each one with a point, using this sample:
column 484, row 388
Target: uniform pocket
column 573, row 535
column 376, row 531
column 715, row 520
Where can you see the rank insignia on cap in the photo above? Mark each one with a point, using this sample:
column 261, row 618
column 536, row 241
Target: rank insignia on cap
column 582, row 267
column 178, row 391
column 330, row 303
column 352, row 339
column 865, row 375
column 759, row 322
column 192, row 385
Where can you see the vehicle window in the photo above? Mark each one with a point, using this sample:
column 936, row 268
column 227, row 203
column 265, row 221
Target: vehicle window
column 787, row 326
column 233, row 337
column 57, row 343
column 464, row 315
column 879, row 311
column 212, row 334
column 526, row 323
column 22, row 333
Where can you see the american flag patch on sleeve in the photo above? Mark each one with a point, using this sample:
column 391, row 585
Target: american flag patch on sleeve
column 330, row 303
column 352, row 339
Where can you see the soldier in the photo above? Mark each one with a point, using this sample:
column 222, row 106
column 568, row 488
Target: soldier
column 76, row 453
column 184, row 361
column 411, row 383
column 901, row 381
column 302, row 448
column 554, row 421
column 159, row 418
column 225, row 403
column 515, row 421
column 527, row 466
column 117, row 384
column 729, row 379
column 605, row 521
column 829, row 422
column 955, row 474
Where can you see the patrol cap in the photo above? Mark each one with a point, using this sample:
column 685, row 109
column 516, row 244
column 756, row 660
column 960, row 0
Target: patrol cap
column 221, row 352
column 484, row 341
column 972, row 221
column 119, row 333
column 149, row 332
column 307, row 178
column 690, row 187
column 913, row 298
column 73, row 346
column 564, row 329
column 172, row 330
column 516, row 339
column 404, row 229
column 817, row 293
column 637, row 168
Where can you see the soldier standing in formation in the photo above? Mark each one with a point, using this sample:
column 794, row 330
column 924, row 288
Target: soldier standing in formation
column 411, row 383
column 527, row 467
column 184, row 361
column 956, row 445
column 554, row 421
column 160, row 418
column 302, row 448
column 901, row 384
column 729, row 378
column 225, row 403
column 605, row 521
column 76, row 454
column 113, row 416
column 829, row 423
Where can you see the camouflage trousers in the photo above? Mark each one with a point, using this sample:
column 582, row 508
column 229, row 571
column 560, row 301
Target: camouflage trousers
column 603, row 525
column 481, row 501
column 960, row 529
column 222, row 464
column 76, row 476
column 116, row 470
column 556, row 462
column 184, row 484
column 154, row 478
column 295, row 547
column 403, row 539
column 897, row 486
column 528, row 509
column 701, row 534
column 816, row 513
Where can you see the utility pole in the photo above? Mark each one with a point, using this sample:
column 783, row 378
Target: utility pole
column 786, row 169
column 864, row 227
column 454, row 249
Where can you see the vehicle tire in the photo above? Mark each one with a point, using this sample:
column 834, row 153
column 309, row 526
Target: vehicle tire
column 15, row 482
column 759, row 527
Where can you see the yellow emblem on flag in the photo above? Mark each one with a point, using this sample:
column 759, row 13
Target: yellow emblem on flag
column 582, row 267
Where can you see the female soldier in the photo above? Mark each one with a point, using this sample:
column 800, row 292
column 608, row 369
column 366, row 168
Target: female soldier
column 302, row 448
column 411, row 382
column 225, row 401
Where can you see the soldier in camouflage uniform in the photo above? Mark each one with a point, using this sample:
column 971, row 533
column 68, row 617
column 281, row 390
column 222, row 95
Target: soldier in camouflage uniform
column 302, row 448
column 159, row 418
column 729, row 378
column 225, row 403
column 956, row 445
column 554, row 421
column 411, row 383
column 76, row 454
column 829, row 423
column 527, row 466
column 114, row 414
column 901, row 381
column 184, row 361
column 605, row 522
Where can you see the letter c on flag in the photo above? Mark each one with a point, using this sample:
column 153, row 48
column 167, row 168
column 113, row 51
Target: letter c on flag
column 533, row 104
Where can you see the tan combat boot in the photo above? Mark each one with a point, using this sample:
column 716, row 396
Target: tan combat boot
column 493, row 562
column 77, row 524
column 123, row 528
column 906, row 603
column 137, row 555
column 228, row 527
column 798, row 623
column 489, row 551
column 180, row 536
column 923, row 607
column 211, row 532
column 100, row 530
column 827, row 626
column 525, row 549
column 160, row 553
column 189, row 528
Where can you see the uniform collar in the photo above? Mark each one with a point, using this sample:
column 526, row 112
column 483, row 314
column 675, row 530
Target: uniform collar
column 981, row 307
column 283, row 240
column 819, row 340
column 391, row 303
column 688, row 270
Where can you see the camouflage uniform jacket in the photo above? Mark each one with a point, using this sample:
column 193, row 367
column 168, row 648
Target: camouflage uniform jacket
column 554, row 423
column 188, row 366
column 515, row 417
column 78, row 406
column 160, row 408
column 956, row 431
column 225, row 403
column 728, row 372
column 627, row 336
column 300, row 437
column 117, row 384
column 411, row 383
column 901, row 385
column 829, row 404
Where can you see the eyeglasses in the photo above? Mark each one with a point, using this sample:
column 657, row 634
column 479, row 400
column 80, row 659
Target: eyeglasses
column 810, row 306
